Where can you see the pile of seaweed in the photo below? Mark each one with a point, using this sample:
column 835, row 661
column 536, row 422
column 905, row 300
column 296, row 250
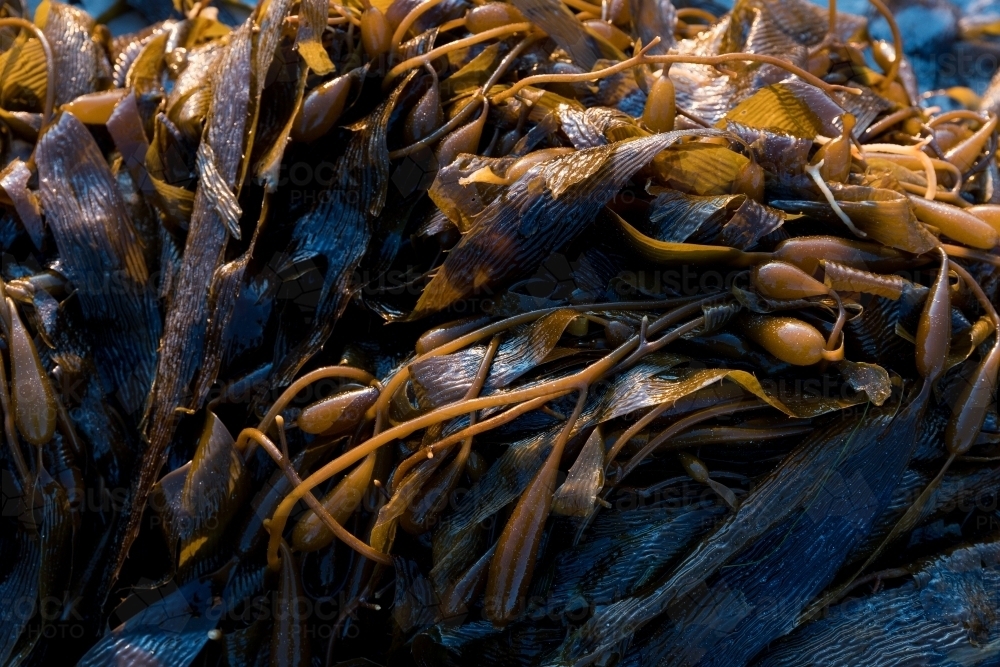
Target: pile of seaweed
column 465, row 332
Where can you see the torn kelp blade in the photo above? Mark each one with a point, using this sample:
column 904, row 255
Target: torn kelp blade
column 543, row 210
column 168, row 623
column 223, row 149
column 729, row 220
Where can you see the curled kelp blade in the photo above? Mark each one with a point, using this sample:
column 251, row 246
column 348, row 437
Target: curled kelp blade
column 577, row 494
column 463, row 201
column 545, row 208
column 681, row 253
column 126, row 127
column 14, row 181
column 729, row 220
column 169, row 622
column 278, row 121
column 312, row 22
column 869, row 378
column 199, row 497
column 883, row 215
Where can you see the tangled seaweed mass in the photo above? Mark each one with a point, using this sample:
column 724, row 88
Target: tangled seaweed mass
column 466, row 332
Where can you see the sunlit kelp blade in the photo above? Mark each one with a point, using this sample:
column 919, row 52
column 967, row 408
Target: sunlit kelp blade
column 794, row 109
column 541, row 211
column 92, row 228
column 884, row 215
column 80, row 59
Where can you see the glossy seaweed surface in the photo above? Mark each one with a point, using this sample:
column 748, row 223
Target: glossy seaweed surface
column 467, row 332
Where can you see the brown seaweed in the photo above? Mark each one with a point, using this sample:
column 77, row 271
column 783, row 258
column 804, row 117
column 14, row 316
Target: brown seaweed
column 595, row 332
